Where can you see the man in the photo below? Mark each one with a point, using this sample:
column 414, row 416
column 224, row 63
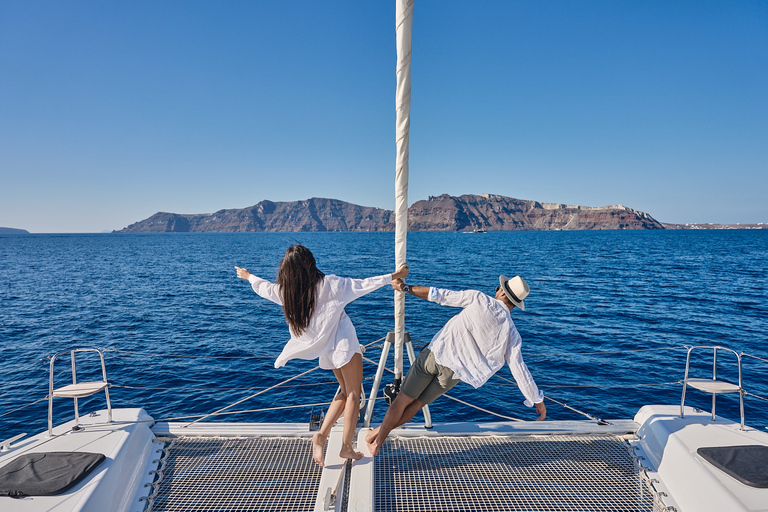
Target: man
column 471, row 347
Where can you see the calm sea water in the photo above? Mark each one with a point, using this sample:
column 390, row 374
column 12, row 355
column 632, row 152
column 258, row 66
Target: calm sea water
column 603, row 330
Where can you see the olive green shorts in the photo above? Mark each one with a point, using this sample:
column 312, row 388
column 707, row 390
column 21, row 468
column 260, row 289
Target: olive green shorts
column 427, row 380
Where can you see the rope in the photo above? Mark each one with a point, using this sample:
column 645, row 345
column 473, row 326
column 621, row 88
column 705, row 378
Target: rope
column 23, row 406
column 480, row 408
column 608, row 352
column 590, row 416
column 606, row 386
column 251, row 388
column 17, row 368
column 594, row 418
column 254, row 395
column 754, row 357
column 188, row 356
column 184, row 356
column 756, row 396
column 457, row 400
column 247, row 411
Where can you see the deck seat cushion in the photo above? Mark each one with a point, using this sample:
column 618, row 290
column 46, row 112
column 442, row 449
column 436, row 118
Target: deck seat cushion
column 46, row 474
column 748, row 464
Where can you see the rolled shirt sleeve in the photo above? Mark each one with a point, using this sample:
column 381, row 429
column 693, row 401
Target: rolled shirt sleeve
column 460, row 299
column 533, row 395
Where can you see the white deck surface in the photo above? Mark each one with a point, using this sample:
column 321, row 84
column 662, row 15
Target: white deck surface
column 669, row 444
column 116, row 484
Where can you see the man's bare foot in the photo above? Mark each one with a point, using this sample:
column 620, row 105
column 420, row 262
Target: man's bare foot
column 348, row 453
column 373, row 447
column 318, row 447
column 371, row 435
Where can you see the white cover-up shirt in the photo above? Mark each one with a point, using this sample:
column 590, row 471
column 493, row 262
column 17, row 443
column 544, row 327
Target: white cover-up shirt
column 476, row 342
column 330, row 337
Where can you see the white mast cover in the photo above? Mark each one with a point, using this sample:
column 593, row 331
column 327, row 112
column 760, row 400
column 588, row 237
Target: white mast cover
column 404, row 28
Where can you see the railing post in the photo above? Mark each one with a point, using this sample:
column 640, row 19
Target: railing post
column 377, row 380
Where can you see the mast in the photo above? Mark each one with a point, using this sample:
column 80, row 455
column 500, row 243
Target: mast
column 404, row 28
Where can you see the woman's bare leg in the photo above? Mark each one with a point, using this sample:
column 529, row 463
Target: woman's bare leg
column 352, row 375
column 331, row 417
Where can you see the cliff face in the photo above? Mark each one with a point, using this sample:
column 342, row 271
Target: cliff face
column 441, row 213
column 314, row 214
column 499, row 213
column 13, row 231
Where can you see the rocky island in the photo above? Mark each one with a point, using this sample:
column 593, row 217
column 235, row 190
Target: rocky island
column 488, row 212
column 13, row 231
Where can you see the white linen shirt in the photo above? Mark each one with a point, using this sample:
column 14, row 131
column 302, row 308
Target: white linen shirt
column 476, row 342
column 330, row 336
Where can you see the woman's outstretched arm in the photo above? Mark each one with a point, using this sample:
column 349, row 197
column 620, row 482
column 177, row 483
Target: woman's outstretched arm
column 264, row 288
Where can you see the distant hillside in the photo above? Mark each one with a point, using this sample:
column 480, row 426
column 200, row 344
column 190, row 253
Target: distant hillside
column 314, row 214
column 442, row 213
column 13, row 231
column 759, row 225
column 499, row 213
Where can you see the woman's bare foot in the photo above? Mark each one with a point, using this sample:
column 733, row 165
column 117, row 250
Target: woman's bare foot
column 348, row 453
column 318, row 447
column 371, row 435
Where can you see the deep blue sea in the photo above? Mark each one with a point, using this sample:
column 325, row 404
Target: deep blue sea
column 604, row 328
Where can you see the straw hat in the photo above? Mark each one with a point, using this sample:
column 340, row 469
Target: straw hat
column 516, row 289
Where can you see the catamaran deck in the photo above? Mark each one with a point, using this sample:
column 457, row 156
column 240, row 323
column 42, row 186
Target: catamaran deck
column 455, row 467
column 446, row 473
column 649, row 464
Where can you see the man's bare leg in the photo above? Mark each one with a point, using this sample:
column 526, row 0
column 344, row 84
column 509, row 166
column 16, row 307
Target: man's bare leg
column 402, row 410
column 408, row 414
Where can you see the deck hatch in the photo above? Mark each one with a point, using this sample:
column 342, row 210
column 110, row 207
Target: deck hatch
column 511, row 473
column 237, row 474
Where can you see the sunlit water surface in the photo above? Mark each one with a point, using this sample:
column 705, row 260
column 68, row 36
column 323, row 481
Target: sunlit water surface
column 604, row 328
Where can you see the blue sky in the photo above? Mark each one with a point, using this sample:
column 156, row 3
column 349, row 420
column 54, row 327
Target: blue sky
column 113, row 111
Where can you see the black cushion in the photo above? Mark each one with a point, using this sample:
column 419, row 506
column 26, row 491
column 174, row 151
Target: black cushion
column 748, row 464
column 46, row 474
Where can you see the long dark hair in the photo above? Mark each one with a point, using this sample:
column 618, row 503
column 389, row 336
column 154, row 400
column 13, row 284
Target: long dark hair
column 298, row 277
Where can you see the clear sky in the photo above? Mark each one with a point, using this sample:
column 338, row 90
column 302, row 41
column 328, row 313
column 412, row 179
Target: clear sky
column 113, row 111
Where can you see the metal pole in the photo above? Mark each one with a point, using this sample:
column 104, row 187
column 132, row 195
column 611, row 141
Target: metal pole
column 377, row 379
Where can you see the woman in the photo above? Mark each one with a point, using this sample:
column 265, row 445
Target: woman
column 313, row 304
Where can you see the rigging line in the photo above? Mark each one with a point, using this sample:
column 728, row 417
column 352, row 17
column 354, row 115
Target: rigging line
column 675, row 347
column 480, row 408
column 253, row 395
column 606, row 386
column 754, row 357
column 23, row 406
column 17, row 368
column 461, row 401
column 184, row 356
column 199, row 356
column 174, row 418
column 599, row 421
column 594, row 418
column 756, row 396
column 606, row 352
column 251, row 388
